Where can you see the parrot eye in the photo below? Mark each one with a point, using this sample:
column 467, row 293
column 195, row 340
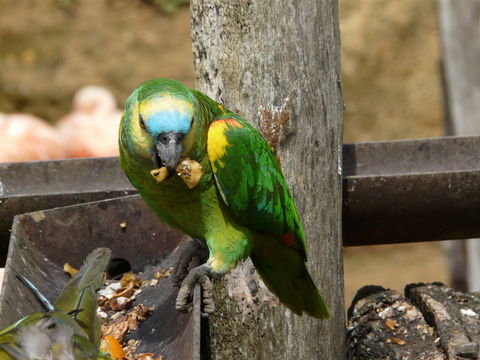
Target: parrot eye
column 142, row 123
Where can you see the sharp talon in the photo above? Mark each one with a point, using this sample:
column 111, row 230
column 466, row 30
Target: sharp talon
column 183, row 302
column 199, row 275
column 207, row 294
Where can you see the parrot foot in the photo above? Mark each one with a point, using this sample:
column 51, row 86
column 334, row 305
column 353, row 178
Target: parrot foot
column 200, row 275
column 192, row 248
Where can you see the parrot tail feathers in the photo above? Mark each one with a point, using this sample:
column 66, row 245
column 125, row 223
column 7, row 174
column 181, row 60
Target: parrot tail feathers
column 314, row 304
column 289, row 280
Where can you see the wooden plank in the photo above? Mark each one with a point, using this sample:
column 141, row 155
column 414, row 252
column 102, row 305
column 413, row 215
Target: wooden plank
column 277, row 64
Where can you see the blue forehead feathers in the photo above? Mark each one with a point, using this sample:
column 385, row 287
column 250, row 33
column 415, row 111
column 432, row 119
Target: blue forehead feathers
column 168, row 120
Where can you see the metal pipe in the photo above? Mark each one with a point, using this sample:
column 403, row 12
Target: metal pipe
column 393, row 191
column 411, row 191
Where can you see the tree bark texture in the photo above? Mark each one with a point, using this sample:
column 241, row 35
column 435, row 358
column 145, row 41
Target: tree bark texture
column 277, row 64
column 431, row 322
column 460, row 24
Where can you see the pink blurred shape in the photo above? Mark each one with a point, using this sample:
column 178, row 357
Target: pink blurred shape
column 91, row 130
column 25, row 137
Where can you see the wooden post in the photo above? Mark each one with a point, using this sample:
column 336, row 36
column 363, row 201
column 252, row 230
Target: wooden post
column 277, row 63
column 461, row 59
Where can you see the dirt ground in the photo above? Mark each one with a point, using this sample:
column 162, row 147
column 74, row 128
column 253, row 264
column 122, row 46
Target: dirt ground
column 48, row 51
column 390, row 56
column 390, row 68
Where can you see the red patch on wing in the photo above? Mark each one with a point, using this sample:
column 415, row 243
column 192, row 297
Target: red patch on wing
column 232, row 122
column 223, row 122
column 288, row 239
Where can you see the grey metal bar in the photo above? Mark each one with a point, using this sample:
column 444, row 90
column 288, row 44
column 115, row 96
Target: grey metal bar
column 411, row 208
column 410, row 191
column 62, row 177
column 419, row 156
column 394, row 191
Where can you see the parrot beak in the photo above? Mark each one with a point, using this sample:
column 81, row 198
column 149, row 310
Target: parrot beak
column 168, row 150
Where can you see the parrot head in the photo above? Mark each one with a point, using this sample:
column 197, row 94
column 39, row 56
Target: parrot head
column 160, row 116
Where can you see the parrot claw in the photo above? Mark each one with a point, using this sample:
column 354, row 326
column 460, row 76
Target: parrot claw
column 192, row 248
column 200, row 275
column 207, row 296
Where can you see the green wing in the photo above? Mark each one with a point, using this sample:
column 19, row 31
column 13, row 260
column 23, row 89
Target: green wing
column 249, row 178
column 80, row 293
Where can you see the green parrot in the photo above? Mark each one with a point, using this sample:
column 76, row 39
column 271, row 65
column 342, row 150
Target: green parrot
column 70, row 330
column 241, row 205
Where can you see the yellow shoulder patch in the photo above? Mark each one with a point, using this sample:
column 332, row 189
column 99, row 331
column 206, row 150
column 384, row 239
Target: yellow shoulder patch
column 217, row 141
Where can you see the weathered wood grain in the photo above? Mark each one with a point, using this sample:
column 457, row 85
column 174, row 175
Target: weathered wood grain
column 385, row 325
column 277, row 64
column 432, row 321
column 454, row 315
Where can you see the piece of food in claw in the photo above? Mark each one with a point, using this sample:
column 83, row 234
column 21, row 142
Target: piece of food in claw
column 159, row 174
column 190, row 171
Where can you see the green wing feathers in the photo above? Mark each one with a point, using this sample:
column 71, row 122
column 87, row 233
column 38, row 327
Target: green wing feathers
column 249, row 179
column 88, row 278
column 80, row 292
column 251, row 182
column 70, row 331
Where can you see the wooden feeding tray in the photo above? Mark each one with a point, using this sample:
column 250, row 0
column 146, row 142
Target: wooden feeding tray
column 42, row 241
column 38, row 185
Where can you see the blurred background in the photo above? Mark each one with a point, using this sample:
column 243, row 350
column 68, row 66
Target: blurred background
column 67, row 67
column 392, row 90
